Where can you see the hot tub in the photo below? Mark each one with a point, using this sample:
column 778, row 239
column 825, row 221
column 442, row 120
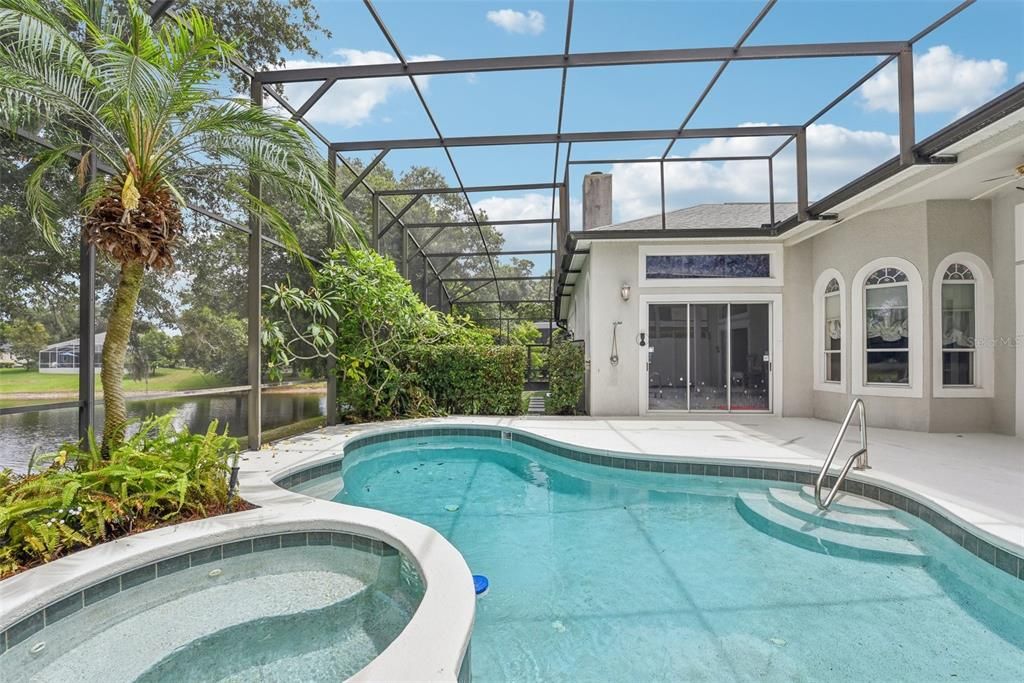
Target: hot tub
column 310, row 605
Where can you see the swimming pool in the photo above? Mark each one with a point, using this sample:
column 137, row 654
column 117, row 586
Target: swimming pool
column 621, row 575
column 316, row 605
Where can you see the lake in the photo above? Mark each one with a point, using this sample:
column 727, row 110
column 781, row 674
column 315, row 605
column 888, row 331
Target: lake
column 45, row 431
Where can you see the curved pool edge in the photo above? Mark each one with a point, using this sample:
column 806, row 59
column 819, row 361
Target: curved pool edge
column 435, row 643
column 448, row 598
column 997, row 551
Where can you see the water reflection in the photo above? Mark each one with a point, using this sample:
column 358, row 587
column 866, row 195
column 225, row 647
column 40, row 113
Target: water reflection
column 44, row 431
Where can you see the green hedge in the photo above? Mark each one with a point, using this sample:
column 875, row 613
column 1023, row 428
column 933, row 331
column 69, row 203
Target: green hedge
column 473, row 380
column 565, row 369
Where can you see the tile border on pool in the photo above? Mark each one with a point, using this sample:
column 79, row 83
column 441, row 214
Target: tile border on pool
column 90, row 595
column 1000, row 558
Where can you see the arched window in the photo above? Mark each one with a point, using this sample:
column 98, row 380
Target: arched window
column 886, row 327
column 832, row 334
column 959, row 311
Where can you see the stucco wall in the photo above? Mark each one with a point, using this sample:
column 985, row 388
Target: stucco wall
column 1008, row 265
column 924, row 234
column 847, row 247
column 614, row 389
column 798, row 344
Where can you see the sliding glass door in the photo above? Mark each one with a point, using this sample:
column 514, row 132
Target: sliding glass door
column 709, row 357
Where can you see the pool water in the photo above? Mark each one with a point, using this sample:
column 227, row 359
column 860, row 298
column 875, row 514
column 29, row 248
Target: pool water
column 601, row 574
column 309, row 613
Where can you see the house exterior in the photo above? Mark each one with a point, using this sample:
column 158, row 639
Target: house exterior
column 63, row 356
column 905, row 287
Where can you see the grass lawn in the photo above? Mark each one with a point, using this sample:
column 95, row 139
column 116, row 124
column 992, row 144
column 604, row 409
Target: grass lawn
column 18, row 380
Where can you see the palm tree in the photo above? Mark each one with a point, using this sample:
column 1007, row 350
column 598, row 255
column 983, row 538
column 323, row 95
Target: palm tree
column 140, row 102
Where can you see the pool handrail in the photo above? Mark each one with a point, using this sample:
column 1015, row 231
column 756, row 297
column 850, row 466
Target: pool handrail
column 860, row 456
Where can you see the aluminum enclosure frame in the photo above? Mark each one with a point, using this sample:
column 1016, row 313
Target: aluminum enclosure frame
column 900, row 51
column 436, row 262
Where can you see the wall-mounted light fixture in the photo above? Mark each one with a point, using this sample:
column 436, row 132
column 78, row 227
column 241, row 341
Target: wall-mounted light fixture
column 624, row 291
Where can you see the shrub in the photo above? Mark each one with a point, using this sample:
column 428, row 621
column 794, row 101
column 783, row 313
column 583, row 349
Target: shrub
column 362, row 312
column 473, row 380
column 566, row 366
column 156, row 476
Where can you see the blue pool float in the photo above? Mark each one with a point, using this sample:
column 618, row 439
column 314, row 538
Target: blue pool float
column 480, row 584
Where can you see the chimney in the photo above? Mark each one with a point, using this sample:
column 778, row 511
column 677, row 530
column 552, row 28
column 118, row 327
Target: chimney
column 597, row 200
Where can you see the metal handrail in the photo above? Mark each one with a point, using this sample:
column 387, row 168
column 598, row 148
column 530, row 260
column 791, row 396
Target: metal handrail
column 861, row 455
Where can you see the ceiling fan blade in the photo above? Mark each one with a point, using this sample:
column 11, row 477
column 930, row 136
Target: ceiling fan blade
column 998, row 177
column 994, row 188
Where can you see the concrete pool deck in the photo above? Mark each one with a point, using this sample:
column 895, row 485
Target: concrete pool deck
column 979, row 478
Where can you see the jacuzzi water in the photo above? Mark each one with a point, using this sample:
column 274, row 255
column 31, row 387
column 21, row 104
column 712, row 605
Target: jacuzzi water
column 312, row 613
column 601, row 574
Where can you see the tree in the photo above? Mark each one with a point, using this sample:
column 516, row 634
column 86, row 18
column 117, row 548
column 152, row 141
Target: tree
column 139, row 102
column 149, row 349
column 40, row 284
column 214, row 343
column 447, row 207
column 264, row 29
column 26, row 339
column 522, row 333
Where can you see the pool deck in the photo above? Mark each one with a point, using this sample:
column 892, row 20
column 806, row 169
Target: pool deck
column 979, row 478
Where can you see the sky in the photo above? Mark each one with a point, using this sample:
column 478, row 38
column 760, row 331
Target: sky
column 970, row 60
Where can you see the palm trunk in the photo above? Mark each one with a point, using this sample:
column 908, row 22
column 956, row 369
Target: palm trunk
column 115, row 348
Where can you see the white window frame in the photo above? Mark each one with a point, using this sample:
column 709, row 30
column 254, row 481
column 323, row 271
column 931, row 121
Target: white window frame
column 776, row 353
column 984, row 329
column 915, row 332
column 820, row 383
column 774, row 251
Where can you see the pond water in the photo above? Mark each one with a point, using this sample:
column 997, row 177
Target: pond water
column 24, row 433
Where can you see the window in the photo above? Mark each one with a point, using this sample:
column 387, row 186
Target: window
column 701, row 266
column 886, row 329
column 958, row 326
column 833, row 333
column 830, row 332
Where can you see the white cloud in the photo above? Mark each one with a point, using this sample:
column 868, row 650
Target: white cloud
column 514, row 21
column 835, row 156
column 523, row 207
column 351, row 103
column 944, row 81
column 1020, row 77
column 528, row 206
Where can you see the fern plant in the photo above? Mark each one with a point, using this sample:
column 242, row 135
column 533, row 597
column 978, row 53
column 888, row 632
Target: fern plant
column 157, row 475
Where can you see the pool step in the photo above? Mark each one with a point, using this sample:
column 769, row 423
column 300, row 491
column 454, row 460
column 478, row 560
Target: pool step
column 837, row 517
column 848, row 502
column 536, row 406
column 762, row 513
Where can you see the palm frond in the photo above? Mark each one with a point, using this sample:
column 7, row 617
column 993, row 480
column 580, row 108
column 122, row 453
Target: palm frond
column 42, row 209
column 142, row 100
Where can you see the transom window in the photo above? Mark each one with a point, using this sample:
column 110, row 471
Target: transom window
column 887, row 320
column 884, row 276
column 833, row 333
column 707, row 266
column 958, row 326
